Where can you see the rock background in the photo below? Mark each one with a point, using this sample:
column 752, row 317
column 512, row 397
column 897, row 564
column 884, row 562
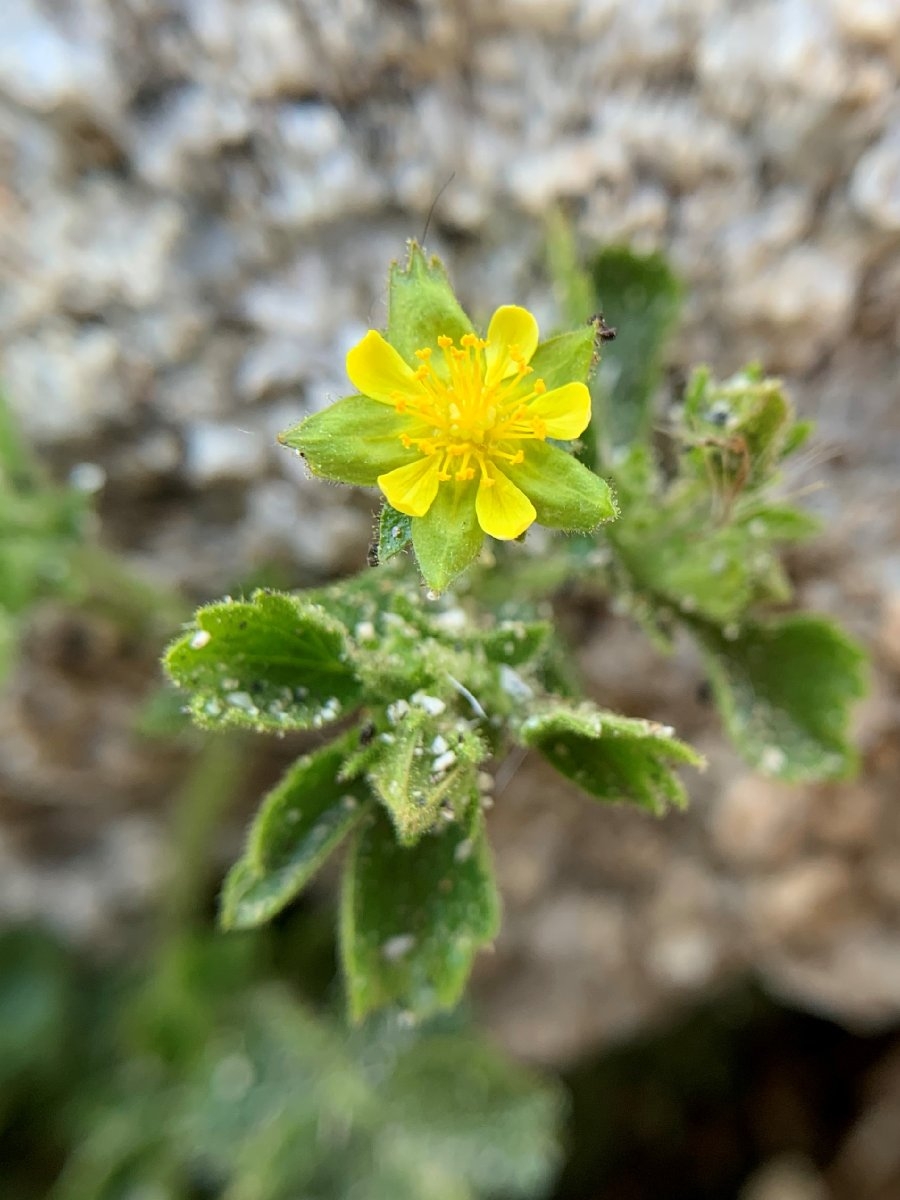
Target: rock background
column 198, row 202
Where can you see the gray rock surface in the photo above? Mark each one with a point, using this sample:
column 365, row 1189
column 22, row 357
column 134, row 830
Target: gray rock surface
column 199, row 199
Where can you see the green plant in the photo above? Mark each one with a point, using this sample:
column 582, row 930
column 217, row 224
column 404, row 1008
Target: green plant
column 49, row 549
column 421, row 690
column 205, row 1074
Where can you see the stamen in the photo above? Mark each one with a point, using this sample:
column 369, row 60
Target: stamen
column 466, row 423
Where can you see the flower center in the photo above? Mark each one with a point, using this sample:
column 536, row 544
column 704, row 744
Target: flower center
column 463, row 418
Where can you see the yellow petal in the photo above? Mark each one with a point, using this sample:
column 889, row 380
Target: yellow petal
column 503, row 510
column 510, row 326
column 377, row 370
column 565, row 411
column 412, row 489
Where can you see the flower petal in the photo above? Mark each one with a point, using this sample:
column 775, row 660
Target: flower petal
column 412, row 489
column 564, row 492
column 510, row 326
column 503, row 510
column 378, row 371
column 565, row 411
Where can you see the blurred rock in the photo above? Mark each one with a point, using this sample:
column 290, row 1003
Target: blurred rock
column 875, row 184
column 786, row 1178
column 50, row 61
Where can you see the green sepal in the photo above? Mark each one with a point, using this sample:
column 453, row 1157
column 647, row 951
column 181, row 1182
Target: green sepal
column 614, row 758
column 785, row 689
column 566, row 358
column 448, row 538
column 413, row 918
column 564, row 492
column 422, row 305
column 394, row 532
column 423, row 768
column 271, row 663
column 354, row 440
column 302, row 820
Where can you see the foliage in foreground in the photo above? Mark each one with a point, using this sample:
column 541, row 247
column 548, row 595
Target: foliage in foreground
column 209, row 1077
column 419, row 693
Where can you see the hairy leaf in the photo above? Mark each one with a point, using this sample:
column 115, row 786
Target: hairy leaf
column 301, row 821
column 785, row 689
column 271, row 663
column 424, row 765
column 413, row 917
column 614, row 758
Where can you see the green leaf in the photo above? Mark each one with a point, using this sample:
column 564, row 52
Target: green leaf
column 35, row 1009
column 614, row 758
column 496, row 1126
column 641, row 299
column 448, row 538
column 716, row 573
column 424, row 765
column 778, row 523
column 422, row 305
column 413, row 918
column 739, row 427
column 394, row 532
column 785, row 689
column 798, row 435
column 564, row 492
column 8, row 639
column 516, row 643
column 354, row 440
column 301, row 821
column 271, row 663
column 32, row 567
column 572, row 283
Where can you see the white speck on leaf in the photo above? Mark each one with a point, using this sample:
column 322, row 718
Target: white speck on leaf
column 396, row 947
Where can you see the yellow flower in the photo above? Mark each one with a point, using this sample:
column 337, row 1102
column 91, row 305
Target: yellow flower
column 457, row 430
column 469, row 413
